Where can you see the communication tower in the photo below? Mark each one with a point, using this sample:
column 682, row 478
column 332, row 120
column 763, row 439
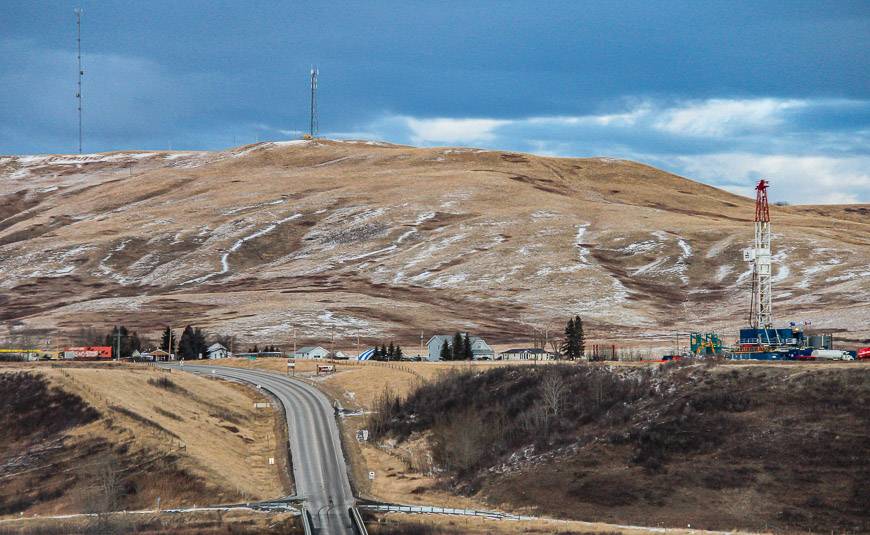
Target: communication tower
column 312, row 124
column 78, row 12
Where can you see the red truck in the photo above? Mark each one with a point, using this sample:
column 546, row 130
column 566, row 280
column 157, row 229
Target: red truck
column 864, row 353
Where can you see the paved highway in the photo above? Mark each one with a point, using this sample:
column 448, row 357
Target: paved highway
column 318, row 465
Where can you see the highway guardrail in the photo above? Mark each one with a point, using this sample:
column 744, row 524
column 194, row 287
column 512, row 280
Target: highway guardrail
column 356, row 520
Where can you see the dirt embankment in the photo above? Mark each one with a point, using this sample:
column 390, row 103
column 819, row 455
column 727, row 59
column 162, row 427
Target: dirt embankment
column 106, row 438
column 717, row 447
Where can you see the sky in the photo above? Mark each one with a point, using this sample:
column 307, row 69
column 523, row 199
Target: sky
column 721, row 92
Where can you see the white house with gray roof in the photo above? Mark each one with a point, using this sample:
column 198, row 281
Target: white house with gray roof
column 479, row 348
column 311, row 352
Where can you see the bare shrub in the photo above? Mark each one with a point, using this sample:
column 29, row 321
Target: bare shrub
column 167, row 384
column 104, row 489
column 553, row 392
column 384, row 409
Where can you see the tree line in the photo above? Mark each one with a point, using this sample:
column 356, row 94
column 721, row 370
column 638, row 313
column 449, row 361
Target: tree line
column 458, row 349
column 391, row 352
column 266, row 349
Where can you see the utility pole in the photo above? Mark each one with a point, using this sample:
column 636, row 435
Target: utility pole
column 294, row 340
column 118, row 342
column 420, row 354
column 78, row 12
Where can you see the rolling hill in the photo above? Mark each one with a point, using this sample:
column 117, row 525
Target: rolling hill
column 385, row 241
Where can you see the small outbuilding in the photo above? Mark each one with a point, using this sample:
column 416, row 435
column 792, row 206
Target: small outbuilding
column 311, row 352
column 217, row 351
column 161, row 356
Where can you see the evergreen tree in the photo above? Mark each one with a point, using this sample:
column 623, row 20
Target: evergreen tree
column 456, row 348
column 165, row 341
column 570, row 347
column 399, row 353
column 384, row 354
column 467, row 353
column 199, row 344
column 579, row 336
column 187, row 344
column 391, row 351
column 445, row 351
column 255, row 349
column 135, row 342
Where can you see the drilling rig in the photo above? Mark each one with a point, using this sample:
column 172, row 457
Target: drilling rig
column 761, row 340
column 760, row 313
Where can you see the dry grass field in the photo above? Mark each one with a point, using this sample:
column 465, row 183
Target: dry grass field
column 383, row 241
column 408, row 524
column 235, row 522
column 186, row 439
column 802, row 402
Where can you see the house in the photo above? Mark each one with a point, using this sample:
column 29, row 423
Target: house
column 217, row 351
column 311, row 352
column 526, row 353
column 479, row 348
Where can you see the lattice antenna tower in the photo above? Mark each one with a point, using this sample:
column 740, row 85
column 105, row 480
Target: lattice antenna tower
column 78, row 12
column 313, row 119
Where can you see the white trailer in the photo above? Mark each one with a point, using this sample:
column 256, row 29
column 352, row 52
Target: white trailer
column 831, row 354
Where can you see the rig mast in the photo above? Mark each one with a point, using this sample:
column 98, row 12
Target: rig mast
column 760, row 312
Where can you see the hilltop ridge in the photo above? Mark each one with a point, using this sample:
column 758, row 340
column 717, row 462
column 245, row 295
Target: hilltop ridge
column 386, row 240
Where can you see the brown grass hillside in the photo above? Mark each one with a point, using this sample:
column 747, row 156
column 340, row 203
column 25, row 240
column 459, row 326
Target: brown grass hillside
column 383, row 241
column 715, row 446
column 98, row 438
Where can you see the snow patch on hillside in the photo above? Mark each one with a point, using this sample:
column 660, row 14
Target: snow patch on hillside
column 684, row 245
column 578, row 242
column 640, row 247
column 717, row 248
column 723, row 271
column 225, row 265
column 236, row 210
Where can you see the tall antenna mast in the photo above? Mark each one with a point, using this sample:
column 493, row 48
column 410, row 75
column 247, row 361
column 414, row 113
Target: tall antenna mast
column 78, row 12
column 312, row 125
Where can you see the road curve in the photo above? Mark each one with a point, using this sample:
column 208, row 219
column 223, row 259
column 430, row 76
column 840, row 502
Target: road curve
column 318, row 465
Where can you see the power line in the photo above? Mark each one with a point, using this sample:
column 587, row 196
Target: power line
column 78, row 12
